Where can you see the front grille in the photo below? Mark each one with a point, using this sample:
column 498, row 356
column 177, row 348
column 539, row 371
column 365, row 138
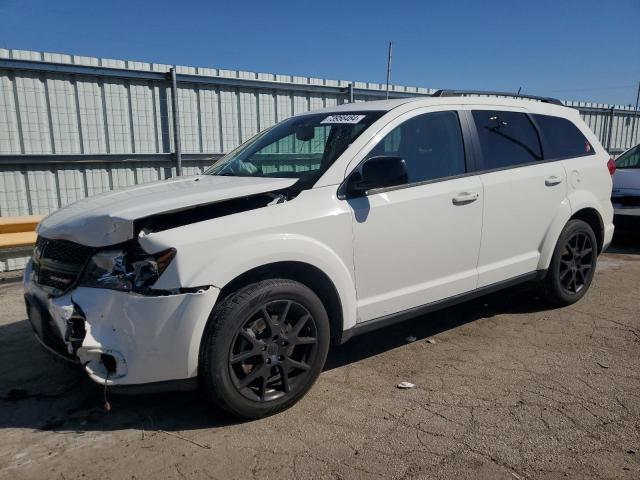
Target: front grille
column 63, row 251
column 57, row 280
column 58, row 263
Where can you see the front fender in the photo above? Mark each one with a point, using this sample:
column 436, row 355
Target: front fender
column 236, row 260
column 225, row 262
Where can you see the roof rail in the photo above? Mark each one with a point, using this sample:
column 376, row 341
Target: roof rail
column 462, row 93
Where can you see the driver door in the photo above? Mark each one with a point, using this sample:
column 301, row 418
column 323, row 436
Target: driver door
column 418, row 243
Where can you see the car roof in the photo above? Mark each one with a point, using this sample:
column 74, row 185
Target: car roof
column 534, row 106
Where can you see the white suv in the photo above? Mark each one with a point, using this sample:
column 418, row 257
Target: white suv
column 326, row 225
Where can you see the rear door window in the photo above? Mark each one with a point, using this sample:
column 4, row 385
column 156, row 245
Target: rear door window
column 507, row 139
column 561, row 138
column 631, row 159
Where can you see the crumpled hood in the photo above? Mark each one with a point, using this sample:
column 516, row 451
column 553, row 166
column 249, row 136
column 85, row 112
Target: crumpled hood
column 107, row 219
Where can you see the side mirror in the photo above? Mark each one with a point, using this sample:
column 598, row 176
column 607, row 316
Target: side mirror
column 305, row 133
column 378, row 172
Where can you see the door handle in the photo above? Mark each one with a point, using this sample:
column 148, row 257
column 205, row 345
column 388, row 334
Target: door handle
column 552, row 180
column 464, row 198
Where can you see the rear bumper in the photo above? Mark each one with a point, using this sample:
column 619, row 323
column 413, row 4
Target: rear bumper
column 626, row 211
column 125, row 339
column 608, row 236
column 626, row 203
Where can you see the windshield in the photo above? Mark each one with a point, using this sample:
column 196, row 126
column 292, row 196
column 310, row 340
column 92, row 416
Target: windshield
column 301, row 147
column 631, row 159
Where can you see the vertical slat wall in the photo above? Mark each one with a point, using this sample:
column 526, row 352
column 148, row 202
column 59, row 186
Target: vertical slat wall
column 59, row 114
column 52, row 113
column 625, row 123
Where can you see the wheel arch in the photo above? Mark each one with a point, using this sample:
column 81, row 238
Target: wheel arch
column 591, row 216
column 305, row 273
column 587, row 214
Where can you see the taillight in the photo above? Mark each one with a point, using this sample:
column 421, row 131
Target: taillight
column 611, row 165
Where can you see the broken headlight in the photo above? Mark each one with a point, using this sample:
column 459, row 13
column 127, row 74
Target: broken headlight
column 125, row 271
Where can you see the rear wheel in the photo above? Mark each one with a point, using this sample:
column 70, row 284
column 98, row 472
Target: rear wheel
column 572, row 265
column 264, row 348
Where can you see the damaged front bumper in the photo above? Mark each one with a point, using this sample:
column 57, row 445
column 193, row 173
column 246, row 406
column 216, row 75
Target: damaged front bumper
column 122, row 338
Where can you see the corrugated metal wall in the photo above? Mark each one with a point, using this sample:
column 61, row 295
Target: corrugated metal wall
column 66, row 134
column 53, row 113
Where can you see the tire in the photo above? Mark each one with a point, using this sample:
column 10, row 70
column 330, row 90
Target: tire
column 264, row 347
column 572, row 265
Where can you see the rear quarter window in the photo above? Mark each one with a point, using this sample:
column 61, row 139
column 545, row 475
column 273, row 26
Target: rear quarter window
column 507, row 139
column 561, row 138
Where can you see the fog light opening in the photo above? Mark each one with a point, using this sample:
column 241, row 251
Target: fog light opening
column 102, row 365
column 109, row 362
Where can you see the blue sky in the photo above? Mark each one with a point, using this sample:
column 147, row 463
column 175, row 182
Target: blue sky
column 579, row 50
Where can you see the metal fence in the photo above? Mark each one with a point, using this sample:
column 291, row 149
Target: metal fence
column 73, row 126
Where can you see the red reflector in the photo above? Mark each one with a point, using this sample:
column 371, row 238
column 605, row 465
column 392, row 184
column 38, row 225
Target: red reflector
column 611, row 165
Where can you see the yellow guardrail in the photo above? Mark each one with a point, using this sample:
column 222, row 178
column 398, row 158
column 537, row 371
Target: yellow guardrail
column 17, row 232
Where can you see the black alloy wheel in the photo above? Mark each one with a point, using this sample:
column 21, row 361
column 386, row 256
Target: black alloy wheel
column 576, row 262
column 573, row 264
column 263, row 347
column 273, row 351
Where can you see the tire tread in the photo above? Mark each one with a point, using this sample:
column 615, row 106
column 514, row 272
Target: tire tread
column 209, row 375
column 551, row 290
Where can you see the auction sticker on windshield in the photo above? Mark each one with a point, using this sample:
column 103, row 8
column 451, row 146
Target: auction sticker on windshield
column 343, row 119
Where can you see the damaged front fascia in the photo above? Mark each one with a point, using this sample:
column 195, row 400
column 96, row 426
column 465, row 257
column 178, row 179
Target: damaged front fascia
column 199, row 213
column 176, row 218
column 132, row 247
column 151, row 292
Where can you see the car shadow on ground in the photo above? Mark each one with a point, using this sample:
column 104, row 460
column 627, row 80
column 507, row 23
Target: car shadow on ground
column 43, row 393
column 519, row 299
column 626, row 243
column 38, row 392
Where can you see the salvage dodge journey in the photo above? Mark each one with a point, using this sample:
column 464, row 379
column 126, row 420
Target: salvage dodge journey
column 326, row 225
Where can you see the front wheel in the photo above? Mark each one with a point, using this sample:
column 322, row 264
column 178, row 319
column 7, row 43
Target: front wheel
column 572, row 265
column 264, row 347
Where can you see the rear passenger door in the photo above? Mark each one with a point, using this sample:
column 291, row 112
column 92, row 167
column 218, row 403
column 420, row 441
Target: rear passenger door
column 522, row 193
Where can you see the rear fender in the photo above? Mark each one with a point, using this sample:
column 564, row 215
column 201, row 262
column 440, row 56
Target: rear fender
column 576, row 201
column 553, row 233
